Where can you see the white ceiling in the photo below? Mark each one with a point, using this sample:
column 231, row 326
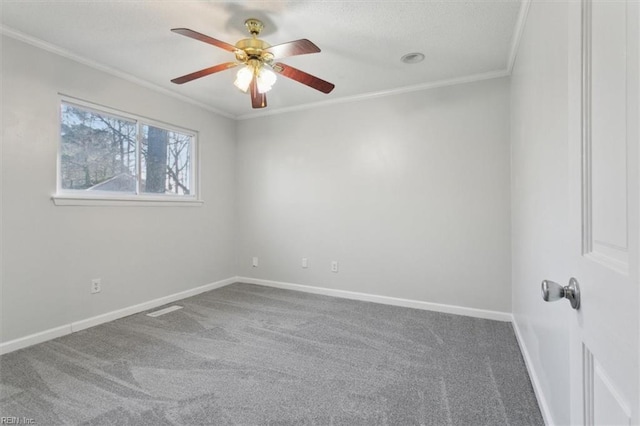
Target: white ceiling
column 361, row 42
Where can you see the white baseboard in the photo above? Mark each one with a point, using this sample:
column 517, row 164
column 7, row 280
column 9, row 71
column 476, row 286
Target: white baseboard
column 386, row 300
column 537, row 389
column 34, row 339
column 43, row 336
column 75, row 326
column 120, row 313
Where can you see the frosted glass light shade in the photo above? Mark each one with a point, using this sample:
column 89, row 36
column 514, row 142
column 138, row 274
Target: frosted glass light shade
column 266, row 80
column 243, row 78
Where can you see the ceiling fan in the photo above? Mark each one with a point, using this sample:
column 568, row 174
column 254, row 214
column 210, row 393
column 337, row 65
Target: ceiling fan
column 257, row 75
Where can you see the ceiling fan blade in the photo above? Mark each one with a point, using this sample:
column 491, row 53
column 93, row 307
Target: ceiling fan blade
column 293, row 48
column 194, row 34
column 204, row 72
column 258, row 100
column 303, row 77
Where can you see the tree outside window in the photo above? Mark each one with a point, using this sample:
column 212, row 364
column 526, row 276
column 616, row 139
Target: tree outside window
column 106, row 153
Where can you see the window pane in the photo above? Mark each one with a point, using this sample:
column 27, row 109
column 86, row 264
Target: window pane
column 165, row 161
column 98, row 151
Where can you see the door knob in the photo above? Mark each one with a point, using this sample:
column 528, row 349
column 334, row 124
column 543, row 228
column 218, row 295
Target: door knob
column 552, row 291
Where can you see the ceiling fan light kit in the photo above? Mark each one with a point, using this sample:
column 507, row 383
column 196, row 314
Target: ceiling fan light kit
column 265, row 78
column 258, row 73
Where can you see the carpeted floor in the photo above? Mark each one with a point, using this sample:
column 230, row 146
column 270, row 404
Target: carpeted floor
column 246, row 354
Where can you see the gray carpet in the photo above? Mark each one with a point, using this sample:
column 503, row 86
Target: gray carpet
column 246, row 354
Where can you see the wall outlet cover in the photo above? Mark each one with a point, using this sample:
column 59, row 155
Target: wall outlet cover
column 96, row 285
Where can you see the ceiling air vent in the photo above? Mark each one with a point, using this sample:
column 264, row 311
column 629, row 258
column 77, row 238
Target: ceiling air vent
column 412, row 58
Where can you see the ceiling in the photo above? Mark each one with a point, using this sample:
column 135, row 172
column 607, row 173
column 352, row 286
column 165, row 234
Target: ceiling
column 361, row 42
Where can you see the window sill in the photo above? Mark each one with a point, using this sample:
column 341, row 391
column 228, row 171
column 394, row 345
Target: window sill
column 74, row 200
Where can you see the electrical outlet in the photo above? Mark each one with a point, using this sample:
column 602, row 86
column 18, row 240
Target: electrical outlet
column 254, row 262
column 334, row 266
column 305, row 262
column 96, row 285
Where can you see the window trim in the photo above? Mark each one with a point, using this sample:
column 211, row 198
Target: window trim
column 66, row 197
column 133, row 201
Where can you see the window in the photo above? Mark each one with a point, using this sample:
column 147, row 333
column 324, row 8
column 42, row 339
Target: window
column 110, row 155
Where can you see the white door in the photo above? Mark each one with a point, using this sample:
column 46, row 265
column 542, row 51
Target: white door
column 604, row 129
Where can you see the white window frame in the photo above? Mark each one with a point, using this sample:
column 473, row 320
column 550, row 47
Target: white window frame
column 74, row 197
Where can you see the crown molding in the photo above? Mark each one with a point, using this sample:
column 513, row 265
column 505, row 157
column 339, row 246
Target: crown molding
column 517, row 34
column 515, row 42
column 41, row 44
column 383, row 93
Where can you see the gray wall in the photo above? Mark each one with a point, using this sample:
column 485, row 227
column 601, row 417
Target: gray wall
column 410, row 193
column 51, row 253
column 540, row 199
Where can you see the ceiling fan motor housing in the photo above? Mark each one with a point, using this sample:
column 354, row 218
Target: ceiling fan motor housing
column 253, row 48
